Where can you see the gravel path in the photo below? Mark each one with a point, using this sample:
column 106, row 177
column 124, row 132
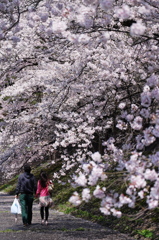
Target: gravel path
column 60, row 227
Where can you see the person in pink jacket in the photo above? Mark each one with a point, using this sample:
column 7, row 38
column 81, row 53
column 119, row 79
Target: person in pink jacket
column 45, row 200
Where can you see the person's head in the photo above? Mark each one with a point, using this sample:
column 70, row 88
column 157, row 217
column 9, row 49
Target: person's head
column 43, row 178
column 27, row 168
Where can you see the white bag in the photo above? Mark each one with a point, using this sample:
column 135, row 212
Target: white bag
column 16, row 208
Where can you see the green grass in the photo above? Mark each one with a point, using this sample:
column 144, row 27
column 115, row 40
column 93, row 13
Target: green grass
column 9, row 231
column 146, row 233
column 71, row 230
column 10, row 186
column 80, row 229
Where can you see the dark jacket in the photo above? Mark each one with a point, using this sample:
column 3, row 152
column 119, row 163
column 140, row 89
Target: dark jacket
column 26, row 184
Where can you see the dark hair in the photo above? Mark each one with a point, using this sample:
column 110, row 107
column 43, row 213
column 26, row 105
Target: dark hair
column 43, row 179
column 27, row 168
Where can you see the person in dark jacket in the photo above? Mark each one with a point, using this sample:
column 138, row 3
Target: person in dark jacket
column 26, row 188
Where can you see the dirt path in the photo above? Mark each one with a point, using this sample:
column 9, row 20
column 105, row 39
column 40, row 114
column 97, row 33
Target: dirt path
column 61, row 226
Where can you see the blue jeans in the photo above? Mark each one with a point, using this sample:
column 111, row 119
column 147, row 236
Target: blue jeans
column 26, row 201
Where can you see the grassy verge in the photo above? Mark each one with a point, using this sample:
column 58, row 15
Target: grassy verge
column 138, row 222
column 139, row 227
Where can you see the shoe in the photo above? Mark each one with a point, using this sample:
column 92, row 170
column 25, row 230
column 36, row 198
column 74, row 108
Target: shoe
column 25, row 224
column 46, row 223
column 42, row 222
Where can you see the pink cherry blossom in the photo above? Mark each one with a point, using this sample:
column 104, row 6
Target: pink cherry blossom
column 137, row 29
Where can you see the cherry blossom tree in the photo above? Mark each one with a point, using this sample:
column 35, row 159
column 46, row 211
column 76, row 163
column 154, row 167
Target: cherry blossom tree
column 81, row 78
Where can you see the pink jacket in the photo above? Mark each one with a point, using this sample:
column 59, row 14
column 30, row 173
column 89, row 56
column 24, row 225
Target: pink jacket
column 42, row 191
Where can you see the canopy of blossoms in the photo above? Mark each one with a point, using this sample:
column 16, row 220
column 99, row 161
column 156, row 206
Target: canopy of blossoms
column 81, row 77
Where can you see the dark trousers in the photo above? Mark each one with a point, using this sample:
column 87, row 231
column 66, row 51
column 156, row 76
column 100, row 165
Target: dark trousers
column 26, row 201
column 46, row 213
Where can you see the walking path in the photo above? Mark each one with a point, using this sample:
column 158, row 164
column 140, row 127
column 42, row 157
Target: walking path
column 60, row 227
